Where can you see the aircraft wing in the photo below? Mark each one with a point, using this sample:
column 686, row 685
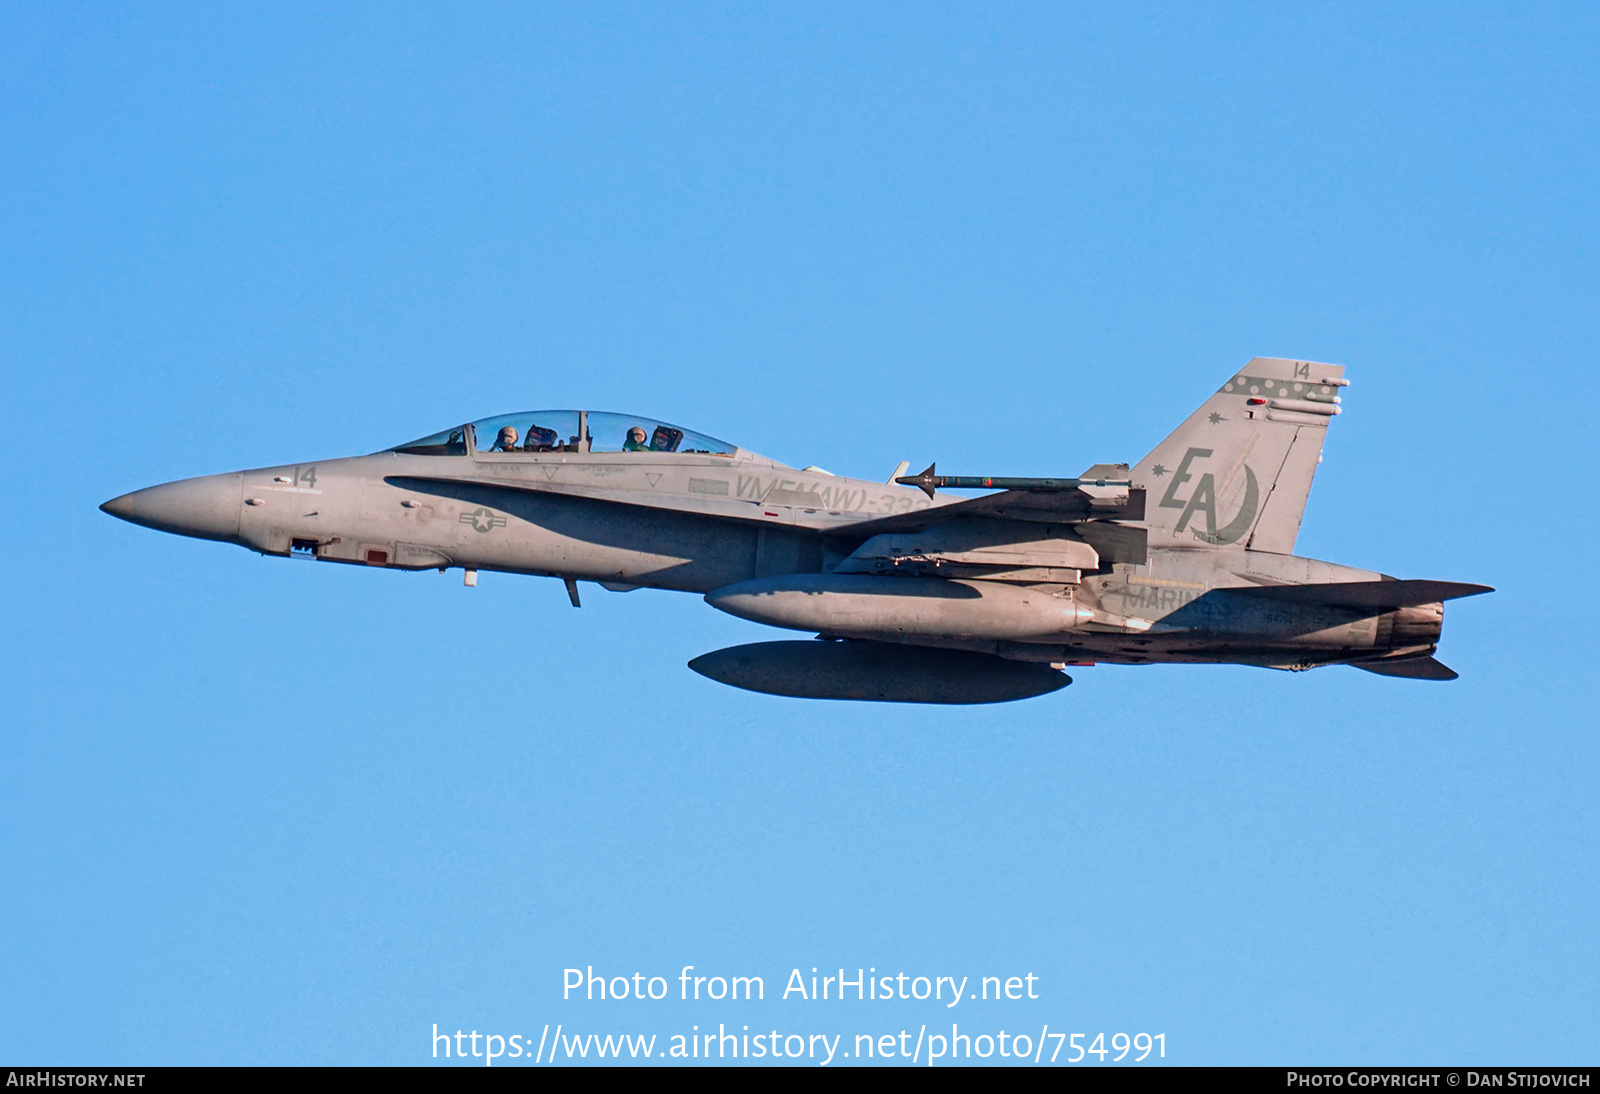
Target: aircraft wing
column 1093, row 517
column 1039, row 506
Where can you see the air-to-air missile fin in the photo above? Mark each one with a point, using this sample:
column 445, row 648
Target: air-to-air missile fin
column 1375, row 596
column 1412, row 668
column 923, row 482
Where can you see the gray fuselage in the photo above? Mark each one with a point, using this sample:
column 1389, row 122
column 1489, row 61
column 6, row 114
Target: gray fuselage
column 701, row 523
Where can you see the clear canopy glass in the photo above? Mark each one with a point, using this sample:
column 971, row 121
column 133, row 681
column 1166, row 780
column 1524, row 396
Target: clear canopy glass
column 631, row 433
column 528, row 431
column 536, row 431
column 448, row 442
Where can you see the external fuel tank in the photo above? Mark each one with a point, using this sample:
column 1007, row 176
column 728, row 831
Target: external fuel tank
column 877, row 672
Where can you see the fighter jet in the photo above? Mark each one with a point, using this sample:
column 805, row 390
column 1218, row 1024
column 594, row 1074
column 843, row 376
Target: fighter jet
column 916, row 594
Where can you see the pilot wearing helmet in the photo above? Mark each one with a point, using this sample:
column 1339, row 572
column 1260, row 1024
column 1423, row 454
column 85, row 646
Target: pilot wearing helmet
column 637, row 440
column 507, row 441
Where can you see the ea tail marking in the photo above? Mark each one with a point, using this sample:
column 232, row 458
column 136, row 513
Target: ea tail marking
column 1238, row 471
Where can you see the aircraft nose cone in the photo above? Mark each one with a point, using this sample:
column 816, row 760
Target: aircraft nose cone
column 206, row 507
column 119, row 507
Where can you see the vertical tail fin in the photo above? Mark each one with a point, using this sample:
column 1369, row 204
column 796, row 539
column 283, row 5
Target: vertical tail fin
column 1238, row 471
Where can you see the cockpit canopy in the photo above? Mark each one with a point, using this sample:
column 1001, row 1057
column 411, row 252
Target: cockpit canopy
column 535, row 431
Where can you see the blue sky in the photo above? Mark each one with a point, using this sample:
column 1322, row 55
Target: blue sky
column 267, row 811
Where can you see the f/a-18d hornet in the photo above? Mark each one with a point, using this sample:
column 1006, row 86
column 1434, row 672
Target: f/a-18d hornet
column 917, row 595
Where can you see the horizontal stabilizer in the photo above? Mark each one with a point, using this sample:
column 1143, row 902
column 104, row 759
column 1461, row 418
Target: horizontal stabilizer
column 1374, row 596
column 1412, row 668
